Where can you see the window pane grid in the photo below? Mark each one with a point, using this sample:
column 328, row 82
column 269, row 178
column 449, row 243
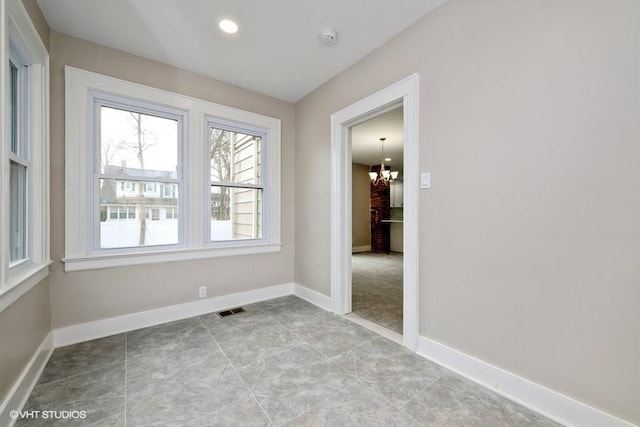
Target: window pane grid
column 138, row 178
column 19, row 165
column 236, row 185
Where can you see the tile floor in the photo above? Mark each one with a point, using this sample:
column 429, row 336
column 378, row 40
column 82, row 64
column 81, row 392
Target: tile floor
column 283, row 362
column 376, row 288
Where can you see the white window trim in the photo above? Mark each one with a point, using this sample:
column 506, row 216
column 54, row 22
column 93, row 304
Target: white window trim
column 17, row 27
column 78, row 254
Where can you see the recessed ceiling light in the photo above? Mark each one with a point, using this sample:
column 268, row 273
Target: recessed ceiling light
column 228, row 26
column 388, row 159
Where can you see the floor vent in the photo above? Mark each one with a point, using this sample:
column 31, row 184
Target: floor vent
column 230, row 312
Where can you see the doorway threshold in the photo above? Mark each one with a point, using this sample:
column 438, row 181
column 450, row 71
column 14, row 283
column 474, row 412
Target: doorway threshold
column 374, row 327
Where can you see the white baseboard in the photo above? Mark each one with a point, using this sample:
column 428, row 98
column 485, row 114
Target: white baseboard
column 356, row 249
column 549, row 403
column 116, row 325
column 314, row 297
column 21, row 390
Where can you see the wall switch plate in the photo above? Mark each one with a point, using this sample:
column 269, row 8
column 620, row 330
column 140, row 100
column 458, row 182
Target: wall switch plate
column 202, row 291
column 425, row 180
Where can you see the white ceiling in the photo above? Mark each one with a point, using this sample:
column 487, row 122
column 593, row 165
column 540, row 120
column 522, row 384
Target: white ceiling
column 365, row 140
column 277, row 50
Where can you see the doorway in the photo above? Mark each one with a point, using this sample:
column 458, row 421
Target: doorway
column 401, row 94
column 377, row 222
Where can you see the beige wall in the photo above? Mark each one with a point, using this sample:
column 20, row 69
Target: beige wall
column 529, row 237
column 23, row 327
column 360, row 204
column 91, row 295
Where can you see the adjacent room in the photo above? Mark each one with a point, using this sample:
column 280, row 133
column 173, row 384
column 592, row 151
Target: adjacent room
column 377, row 220
column 419, row 213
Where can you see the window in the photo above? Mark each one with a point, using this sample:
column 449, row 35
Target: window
column 164, row 155
column 235, row 182
column 171, row 213
column 168, row 191
column 141, row 143
column 24, row 254
column 19, row 167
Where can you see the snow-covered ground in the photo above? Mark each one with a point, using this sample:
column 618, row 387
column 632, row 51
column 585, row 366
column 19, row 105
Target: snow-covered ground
column 124, row 234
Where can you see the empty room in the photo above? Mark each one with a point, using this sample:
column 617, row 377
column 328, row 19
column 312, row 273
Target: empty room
column 344, row 213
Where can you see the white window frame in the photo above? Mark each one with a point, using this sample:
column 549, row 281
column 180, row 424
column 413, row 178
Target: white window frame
column 265, row 187
column 18, row 33
column 23, row 144
column 79, row 84
column 96, row 101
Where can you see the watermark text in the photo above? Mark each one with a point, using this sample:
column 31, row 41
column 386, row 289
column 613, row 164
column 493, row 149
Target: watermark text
column 48, row 415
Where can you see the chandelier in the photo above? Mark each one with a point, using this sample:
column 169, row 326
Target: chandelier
column 384, row 176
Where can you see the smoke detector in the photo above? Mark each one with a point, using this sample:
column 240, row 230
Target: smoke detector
column 329, row 36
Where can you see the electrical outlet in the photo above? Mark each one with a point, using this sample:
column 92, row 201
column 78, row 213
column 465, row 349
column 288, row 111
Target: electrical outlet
column 202, row 291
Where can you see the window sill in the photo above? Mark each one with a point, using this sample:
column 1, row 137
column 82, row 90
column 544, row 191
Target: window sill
column 22, row 283
column 94, row 262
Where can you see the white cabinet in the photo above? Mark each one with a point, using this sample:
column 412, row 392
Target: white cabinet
column 396, row 193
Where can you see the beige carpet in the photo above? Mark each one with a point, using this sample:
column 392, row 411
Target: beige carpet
column 377, row 288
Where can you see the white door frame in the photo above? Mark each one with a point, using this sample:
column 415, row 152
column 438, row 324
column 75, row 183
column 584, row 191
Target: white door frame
column 403, row 93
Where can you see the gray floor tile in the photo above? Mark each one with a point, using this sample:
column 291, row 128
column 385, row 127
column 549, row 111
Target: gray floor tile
column 230, row 324
column 290, row 300
column 293, row 316
column 117, row 420
column 291, row 310
column 98, row 392
column 249, row 344
column 245, row 413
column 78, row 358
column 330, row 334
column 354, row 406
column 104, row 382
column 264, row 367
column 183, row 335
column 457, row 402
column 292, row 382
column 390, row 369
column 181, row 387
column 154, row 368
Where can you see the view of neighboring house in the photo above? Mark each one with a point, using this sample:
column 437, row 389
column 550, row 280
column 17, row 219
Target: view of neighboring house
column 131, row 209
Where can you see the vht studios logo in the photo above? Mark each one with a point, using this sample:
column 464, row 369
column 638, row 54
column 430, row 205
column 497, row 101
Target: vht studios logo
column 48, row 415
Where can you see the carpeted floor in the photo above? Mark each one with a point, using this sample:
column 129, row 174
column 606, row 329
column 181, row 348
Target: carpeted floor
column 377, row 288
